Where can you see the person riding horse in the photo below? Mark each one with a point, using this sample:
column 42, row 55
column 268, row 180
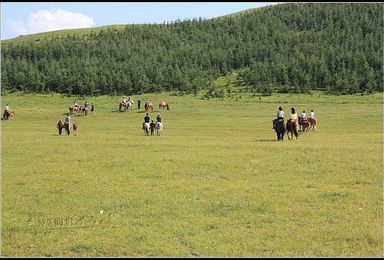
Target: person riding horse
column 279, row 116
column 303, row 121
column 146, row 119
column 6, row 112
column 159, row 118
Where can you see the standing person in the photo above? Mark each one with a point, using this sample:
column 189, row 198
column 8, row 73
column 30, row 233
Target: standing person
column 146, row 119
column 152, row 126
column 138, row 104
column 68, row 120
column 92, row 108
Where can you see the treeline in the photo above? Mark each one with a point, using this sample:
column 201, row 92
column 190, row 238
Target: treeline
column 283, row 48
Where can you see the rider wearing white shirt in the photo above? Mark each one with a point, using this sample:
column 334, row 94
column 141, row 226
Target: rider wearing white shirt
column 312, row 115
column 303, row 116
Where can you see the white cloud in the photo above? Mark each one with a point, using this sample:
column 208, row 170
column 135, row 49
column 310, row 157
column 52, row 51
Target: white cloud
column 44, row 21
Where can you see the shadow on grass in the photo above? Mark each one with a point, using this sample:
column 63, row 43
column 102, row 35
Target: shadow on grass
column 264, row 140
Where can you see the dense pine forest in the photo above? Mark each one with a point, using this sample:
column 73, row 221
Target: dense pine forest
column 297, row 48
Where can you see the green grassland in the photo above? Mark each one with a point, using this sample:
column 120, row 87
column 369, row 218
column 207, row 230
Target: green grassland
column 215, row 183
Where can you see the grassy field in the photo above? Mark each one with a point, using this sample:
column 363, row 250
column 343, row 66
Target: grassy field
column 216, row 183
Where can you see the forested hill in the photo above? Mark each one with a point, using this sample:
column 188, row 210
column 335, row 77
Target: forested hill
column 281, row 48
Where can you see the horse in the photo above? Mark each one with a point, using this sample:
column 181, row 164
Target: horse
column 60, row 125
column 303, row 124
column 8, row 115
column 146, row 128
column 292, row 128
column 126, row 106
column 85, row 111
column 164, row 105
column 158, row 127
column 312, row 123
column 279, row 126
column 73, row 109
column 75, row 129
column 148, row 106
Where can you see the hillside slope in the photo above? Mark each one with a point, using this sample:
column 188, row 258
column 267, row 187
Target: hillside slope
column 282, row 48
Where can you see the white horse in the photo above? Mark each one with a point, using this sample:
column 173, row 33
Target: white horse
column 158, row 127
column 146, row 128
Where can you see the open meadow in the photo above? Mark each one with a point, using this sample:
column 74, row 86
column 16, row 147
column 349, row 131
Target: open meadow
column 215, row 183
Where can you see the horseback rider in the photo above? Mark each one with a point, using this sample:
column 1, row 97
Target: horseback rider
column 312, row 115
column 293, row 117
column 75, row 104
column 280, row 115
column 124, row 101
column 86, row 104
column 146, row 119
column 159, row 118
column 6, row 111
column 303, row 116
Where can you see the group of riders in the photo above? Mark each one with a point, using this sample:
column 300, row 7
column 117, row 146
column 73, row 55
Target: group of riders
column 152, row 124
column 77, row 107
column 294, row 118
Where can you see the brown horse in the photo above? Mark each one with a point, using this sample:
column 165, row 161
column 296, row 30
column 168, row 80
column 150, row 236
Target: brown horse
column 303, row 125
column 279, row 126
column 148, row 106
column 75, row 129
column 8, row 115
column 292, row 128
column 164, row 105
column 60, row 125
column 312, row 123
column 85, row 111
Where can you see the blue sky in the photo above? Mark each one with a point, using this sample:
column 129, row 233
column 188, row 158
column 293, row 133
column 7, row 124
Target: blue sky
column 28, row 18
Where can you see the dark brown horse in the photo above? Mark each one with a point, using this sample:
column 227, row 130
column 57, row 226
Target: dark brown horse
column 292, row 128
column 60, row 126
column 279, row 126
column 312, row 123
column 164, row 105
column 148, row 106
column 303, row 124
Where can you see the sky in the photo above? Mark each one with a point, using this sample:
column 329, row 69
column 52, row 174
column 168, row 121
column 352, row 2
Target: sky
column 19, row 18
